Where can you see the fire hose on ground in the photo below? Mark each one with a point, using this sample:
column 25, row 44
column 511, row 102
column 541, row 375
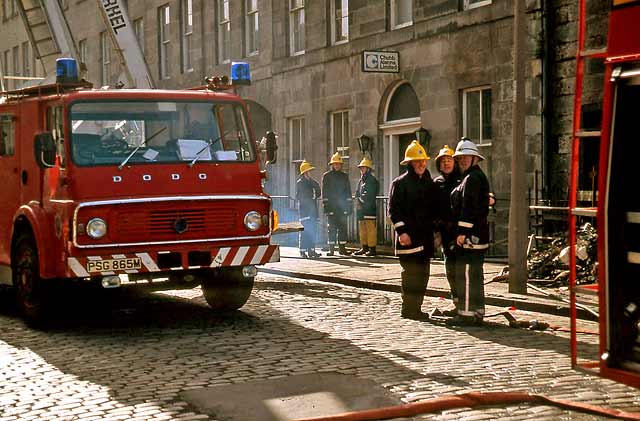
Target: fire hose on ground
column 473, row 400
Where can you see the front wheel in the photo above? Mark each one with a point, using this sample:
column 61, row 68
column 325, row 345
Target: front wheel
column 228, row 290
column 26, row 278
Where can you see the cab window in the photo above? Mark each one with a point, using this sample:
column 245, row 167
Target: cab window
column 56, row 127
column 7, row 135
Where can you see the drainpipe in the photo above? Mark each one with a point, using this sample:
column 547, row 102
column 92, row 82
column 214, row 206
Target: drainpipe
column 547, row 109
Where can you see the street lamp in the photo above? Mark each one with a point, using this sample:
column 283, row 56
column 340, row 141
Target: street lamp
column 424, row 137
column 365, row 143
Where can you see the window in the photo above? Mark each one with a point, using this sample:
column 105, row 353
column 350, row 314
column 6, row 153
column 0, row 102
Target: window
column 7, row 135
column 55, row 125
column 26, row 59
column 252, row 28
column 401, row 13
column 105, row 59
column 9, row 9
column 15, row 61
column 339, row 21
column 5, row 68
column 138, row 29
column 187, row 34
column 82, row 51
column 476, row 115
column 224, row 32
column 164, row 20
column 296, row 27
column 471, row 4
column 296, row 129
column 340, row 135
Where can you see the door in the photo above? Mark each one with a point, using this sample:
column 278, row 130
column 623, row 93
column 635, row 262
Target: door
column 622, row 217
column 9, row 174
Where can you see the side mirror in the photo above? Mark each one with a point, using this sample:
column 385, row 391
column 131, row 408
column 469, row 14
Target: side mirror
column 271, row 147
column 45, row 150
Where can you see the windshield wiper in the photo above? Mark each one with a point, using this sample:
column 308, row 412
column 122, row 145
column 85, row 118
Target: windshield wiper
column 209, row 144
column 144, row 142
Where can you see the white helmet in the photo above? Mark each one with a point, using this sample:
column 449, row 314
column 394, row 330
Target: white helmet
column 467, row 147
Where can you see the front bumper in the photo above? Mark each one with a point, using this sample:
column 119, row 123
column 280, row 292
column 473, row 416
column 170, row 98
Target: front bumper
column 150, row 262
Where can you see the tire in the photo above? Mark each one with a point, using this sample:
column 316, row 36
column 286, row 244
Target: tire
column 228, row 290
column 30, row 290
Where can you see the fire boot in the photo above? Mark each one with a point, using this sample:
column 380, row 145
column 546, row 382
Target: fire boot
column 330, row 252
column 364, row 250
column 312, row 253
column 371, row 252
column 343, row 250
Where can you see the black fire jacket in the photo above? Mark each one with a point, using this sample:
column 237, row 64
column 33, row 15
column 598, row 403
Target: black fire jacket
column 307, row 192
column 336, row 193
column 470, row 208
column 366, row 193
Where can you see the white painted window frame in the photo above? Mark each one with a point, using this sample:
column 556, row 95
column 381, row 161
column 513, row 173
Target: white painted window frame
column 138, row 29
column 480, row 141
column 394, row 18
column 468, row 5
column 164, row 15
column 335, row 19
column 294, row 10
column 224, row 26
column 344, row 147
column 186, row 29
column 291, row 138
column 252, row 20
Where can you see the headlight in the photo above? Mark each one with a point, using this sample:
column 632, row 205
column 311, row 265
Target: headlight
column 252, row 220
column 96, row 228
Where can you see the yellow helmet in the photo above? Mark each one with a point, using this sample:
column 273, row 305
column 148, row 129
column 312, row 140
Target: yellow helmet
column 336, row 159
column 445, row 151
column 414, row 152
column 366, row 162
column 305, row 166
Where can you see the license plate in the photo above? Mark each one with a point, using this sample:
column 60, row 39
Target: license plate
column 114, row 264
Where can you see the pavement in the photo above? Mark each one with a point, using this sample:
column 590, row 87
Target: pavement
column 383, row 273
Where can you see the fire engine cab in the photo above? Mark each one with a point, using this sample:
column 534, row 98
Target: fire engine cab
column 116, row 185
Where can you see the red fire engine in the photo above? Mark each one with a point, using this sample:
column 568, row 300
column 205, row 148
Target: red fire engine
column 144, row 183
column 618, row 205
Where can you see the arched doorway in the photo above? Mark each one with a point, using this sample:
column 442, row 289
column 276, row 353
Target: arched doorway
column 400, row 118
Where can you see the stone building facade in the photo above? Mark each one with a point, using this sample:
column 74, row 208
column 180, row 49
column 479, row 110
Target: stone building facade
column 454, row 78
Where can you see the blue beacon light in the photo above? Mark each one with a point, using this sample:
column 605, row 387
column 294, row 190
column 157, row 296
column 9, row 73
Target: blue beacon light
column 240, row 74
column 66, row 70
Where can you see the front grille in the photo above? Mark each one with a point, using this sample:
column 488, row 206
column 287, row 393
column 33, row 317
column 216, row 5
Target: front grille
column 160, row 225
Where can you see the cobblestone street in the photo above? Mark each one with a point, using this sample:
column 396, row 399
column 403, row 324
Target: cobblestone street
column 137, row 357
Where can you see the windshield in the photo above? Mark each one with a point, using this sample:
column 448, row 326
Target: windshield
column 137, row 132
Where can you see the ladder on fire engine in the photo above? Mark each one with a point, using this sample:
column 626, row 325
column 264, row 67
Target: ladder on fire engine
column 582, row 132
column 48, row 32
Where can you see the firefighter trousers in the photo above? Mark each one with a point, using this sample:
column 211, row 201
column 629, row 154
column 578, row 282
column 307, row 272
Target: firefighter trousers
column 450, row 268
column 307, row 238
column 337, row 229
column 415, row 276
column 469, row 277
column 368, row 232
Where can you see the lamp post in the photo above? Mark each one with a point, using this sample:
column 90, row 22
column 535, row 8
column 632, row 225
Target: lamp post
column 424, row 137
column 365, row 143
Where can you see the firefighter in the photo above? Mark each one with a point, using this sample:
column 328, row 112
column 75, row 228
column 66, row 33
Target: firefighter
column 470, row 209
column 307, row 193
column 413, row 201
column 448, row 180
column 337, row 202
column 366, row 209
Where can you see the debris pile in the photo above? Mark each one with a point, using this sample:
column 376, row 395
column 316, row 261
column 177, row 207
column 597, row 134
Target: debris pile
column 550, row 260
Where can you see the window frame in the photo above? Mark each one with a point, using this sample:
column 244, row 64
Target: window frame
column 335, row 19
column 224, row 26
column 26, row 59
column 293, row 11
column 15, row 65
column 186, row 35
column 480, row 141
column 164, row 41
column 82, row 51
column 293, row 161
column 467, row 5
column 138, row 30
column 394, row 18
column 105, row 58
column 345, row 132
column 252, row 20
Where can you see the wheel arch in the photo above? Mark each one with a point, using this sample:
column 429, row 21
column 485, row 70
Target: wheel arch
column 30, row 220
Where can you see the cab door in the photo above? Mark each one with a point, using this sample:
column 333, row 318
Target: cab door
column 10, row 176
